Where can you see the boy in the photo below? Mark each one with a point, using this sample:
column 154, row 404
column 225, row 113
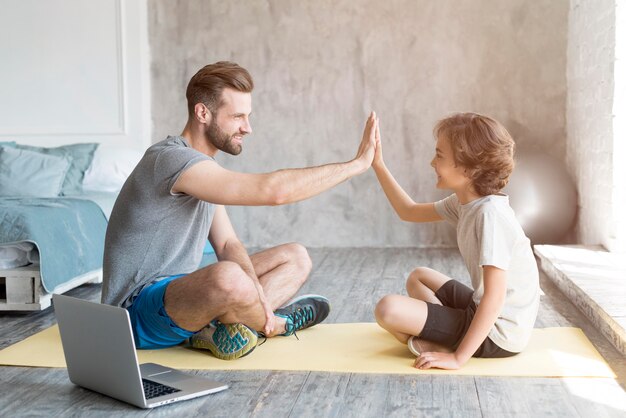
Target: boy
column 443, row 321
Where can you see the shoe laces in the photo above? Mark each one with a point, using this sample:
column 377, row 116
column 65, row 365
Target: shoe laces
column 299, row 318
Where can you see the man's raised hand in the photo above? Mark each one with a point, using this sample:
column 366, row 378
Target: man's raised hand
column 367, row 148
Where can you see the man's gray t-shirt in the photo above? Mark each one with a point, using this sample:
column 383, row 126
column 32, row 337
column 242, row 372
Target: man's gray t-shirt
column 153, row 232
column 488, row 234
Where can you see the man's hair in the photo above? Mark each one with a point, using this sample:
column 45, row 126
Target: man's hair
column 206, row 85
column 482, row 146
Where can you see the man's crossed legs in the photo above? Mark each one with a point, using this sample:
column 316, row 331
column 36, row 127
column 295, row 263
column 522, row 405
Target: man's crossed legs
column 224, row 292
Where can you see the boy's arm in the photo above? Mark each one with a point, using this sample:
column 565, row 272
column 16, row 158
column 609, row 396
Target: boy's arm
column 228, row 248
column 486, row 314
column 402, row 203
column 276, row 188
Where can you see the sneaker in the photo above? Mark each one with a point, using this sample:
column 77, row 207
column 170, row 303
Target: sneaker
column 303, row 312
column 414, row 346
column 228, row 341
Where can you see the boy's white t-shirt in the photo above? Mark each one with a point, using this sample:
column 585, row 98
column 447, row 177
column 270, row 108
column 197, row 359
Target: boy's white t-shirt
column 489, row 234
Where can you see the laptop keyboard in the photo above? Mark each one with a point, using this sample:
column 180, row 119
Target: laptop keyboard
column 153, row 389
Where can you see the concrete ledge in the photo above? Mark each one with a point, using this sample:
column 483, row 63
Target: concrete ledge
column 594, row 280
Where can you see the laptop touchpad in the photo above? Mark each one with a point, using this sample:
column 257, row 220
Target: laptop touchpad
column 171, row 377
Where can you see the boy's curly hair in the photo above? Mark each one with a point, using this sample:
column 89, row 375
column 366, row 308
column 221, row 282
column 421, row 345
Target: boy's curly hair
column 482, row 146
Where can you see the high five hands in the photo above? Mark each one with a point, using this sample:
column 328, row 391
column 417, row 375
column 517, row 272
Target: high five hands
column 367, row 148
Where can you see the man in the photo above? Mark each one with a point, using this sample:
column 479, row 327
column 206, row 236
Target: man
column 175, row 198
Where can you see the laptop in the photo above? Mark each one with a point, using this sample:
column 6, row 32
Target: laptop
column 100, row 354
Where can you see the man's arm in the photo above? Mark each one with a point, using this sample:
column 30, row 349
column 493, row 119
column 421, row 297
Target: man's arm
column 226, row 244
column 276, row 188
column 228, row 248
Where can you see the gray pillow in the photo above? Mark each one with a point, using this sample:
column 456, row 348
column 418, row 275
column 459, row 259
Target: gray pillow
column 80, row 156
column 29, row 173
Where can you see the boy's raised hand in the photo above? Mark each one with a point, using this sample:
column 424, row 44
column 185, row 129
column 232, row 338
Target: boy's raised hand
column 378, row 155
column 367, row 147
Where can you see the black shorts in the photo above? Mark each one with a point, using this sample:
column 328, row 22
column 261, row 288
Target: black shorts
column 448, row 324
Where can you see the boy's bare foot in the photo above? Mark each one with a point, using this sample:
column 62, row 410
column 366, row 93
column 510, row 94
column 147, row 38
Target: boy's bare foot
column 418, row 346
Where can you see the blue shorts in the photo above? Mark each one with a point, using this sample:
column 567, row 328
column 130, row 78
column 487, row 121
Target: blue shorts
column 152, row 326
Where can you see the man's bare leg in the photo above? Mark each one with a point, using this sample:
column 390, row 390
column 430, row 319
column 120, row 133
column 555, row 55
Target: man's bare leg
column 282, row 271
column 222, row 290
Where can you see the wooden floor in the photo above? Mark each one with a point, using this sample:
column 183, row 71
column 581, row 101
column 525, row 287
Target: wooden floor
column 353, row 279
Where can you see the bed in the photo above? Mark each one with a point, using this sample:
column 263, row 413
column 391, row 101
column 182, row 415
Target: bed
column 54, row 208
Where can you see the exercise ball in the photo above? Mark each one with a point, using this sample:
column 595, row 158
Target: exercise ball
column 543, row 196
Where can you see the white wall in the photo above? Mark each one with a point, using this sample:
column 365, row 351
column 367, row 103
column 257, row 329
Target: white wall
column 617, row 237
column 74, row 71
column 591, row 85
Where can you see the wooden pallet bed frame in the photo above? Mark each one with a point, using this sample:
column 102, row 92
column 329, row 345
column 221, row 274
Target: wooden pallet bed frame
column 21, row 289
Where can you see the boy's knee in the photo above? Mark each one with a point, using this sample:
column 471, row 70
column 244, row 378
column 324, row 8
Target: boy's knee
column 420, row 272
column 417, row 275
column 386, row 309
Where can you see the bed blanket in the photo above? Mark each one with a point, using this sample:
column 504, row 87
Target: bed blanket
column 68, row 232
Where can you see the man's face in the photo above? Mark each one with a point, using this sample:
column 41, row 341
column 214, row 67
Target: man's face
column 231, row 122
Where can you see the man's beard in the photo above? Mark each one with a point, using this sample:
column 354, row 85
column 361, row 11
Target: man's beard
column 221, row 140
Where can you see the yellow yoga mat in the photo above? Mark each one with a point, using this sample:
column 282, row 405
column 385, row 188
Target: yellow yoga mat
column 349, row 348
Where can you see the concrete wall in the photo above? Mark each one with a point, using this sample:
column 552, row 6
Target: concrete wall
column 590, row 78
column 320, row 66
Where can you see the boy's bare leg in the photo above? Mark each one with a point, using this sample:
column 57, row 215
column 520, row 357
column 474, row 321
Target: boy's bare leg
column 402, row 316
column 424, row 346
column 406, row 316
column 424, row 282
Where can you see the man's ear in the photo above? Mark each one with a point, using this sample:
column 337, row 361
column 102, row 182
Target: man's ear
column 202, row 113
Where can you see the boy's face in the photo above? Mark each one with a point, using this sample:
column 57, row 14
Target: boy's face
column 449, row 175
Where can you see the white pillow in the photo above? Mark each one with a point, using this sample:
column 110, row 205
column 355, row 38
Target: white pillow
column 110, row 168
